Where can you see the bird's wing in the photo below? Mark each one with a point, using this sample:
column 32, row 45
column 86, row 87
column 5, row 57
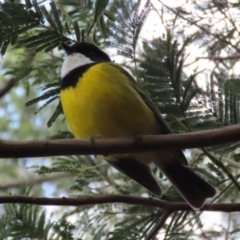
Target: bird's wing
column 165, row 129
column 139, row 172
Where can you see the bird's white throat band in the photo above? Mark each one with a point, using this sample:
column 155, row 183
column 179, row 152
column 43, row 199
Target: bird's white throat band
column 73, row 61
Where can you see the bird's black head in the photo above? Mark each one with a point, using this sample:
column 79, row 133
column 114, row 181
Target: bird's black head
column 87, row 49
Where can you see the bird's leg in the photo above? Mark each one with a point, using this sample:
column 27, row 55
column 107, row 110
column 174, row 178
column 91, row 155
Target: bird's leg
column 92, row 138
column 135, row 137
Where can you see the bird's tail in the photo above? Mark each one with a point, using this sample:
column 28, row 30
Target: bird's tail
column 193, row 188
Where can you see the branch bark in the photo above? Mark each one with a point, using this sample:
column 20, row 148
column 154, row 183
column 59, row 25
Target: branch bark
column 167, row 206
column 16, row 149
column 8, row 86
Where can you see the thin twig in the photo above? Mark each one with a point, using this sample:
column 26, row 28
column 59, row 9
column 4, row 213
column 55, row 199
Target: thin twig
column 8, row 86
column 204, row 29
column 35, row 180
column 219, row 58
column 158, row 226
column 224, row 159
column 221, row 166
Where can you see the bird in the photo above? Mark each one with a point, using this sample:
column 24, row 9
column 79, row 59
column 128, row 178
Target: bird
column 101, row 99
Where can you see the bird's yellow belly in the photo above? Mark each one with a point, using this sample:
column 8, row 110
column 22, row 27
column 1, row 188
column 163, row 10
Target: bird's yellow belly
column 106, row 108
column 100, row 106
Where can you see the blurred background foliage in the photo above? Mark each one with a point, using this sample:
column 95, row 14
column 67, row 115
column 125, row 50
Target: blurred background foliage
column 183, row 53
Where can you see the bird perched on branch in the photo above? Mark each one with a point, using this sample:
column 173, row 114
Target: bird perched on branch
column 100, row 98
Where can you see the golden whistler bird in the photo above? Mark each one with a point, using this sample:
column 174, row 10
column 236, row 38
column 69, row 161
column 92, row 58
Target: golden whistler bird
column 100, row 98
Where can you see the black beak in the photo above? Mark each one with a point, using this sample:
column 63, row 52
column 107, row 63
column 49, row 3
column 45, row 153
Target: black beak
column 67, row 48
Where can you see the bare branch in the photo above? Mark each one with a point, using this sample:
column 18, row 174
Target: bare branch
column 16, row 149
column 167, row 206
column 220, row 58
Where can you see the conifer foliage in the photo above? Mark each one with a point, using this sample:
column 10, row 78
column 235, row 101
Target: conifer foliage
column 197, row 91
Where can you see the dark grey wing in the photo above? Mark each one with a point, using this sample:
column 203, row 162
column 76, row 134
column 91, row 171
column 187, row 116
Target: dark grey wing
column 139, row 172
column 194, row 189
column 165, row 129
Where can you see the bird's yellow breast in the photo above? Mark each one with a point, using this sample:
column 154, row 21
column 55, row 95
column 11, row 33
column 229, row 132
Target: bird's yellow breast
column 105, row 103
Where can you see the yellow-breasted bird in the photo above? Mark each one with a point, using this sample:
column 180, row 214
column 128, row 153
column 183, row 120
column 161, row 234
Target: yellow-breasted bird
column 100, row 98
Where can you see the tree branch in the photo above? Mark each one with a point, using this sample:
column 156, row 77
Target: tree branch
column 158, row 226
column 33, row 180
column 167, row 206
column 220, row 58
column 8, row 86
column 16, row 149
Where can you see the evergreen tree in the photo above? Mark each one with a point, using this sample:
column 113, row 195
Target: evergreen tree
column 190, row 71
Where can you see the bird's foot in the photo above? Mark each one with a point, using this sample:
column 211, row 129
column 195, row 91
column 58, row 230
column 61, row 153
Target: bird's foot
column 135, row 137
column 92, row 138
